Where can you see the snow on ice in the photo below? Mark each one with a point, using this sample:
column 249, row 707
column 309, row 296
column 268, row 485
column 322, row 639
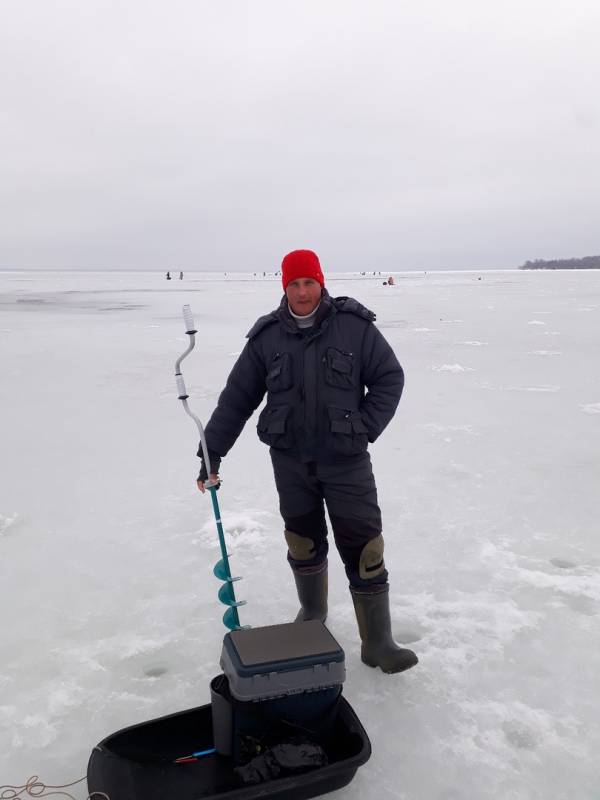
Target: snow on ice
column 489, row 490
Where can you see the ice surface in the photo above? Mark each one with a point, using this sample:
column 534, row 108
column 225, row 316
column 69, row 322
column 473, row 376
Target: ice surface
column 488, row 478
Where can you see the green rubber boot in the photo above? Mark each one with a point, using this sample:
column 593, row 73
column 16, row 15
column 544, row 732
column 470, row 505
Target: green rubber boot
column 375, row 627
column 311, row 584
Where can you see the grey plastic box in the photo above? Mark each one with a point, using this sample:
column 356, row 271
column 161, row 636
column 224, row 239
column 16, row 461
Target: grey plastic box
column 280, row 660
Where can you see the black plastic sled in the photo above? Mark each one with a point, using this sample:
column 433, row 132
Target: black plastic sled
column 138, row 763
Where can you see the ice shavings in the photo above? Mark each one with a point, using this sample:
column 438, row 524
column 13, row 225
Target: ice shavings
column 247, row 529
column 33, row 731
column 436, row 428
column 548, row 389
column 590, row 408
column 455, row 368
column 580, row 580
column 7, row 521
column 110, row 650
column 67, row 695
column 584, row 585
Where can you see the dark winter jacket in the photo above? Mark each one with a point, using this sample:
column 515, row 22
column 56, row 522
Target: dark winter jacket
column 331, row 388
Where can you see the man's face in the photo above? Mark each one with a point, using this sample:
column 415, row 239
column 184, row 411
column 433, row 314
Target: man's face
column 303, row 295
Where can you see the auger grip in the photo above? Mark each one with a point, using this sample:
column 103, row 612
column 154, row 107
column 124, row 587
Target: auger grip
column 183, row 395
column 188, row 319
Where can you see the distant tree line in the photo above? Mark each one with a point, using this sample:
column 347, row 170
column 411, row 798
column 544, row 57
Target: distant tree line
column 589, row 262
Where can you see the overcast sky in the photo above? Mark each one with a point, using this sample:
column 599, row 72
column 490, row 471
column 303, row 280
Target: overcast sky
column 219, row 135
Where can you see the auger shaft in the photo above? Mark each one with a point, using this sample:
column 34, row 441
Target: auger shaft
column 221, row 570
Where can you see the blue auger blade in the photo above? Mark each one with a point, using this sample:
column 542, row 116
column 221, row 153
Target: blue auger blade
column 227, row 597
column 231, row 619
column 221, row 571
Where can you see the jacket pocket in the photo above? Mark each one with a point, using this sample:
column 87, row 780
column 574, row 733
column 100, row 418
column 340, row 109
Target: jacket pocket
column 274, row 427
column 279, row 376
column 349, row 434
column 339, row 368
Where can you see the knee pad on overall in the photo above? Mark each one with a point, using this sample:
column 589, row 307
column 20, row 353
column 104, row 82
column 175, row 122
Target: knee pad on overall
column 304, row 552
column 371, row 564
column 300, row 548
column 365, row 566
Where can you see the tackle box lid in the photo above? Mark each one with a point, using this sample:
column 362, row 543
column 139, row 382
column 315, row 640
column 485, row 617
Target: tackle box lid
column 281, row 648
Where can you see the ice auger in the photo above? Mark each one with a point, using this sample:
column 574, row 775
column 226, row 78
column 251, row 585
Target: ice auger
column 221, row 569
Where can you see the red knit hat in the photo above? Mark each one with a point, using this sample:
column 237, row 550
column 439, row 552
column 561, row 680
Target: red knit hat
column 301, row 264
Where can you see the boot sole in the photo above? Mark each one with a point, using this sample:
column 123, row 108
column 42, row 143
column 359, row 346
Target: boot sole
column 390, row 671
column 300, row 618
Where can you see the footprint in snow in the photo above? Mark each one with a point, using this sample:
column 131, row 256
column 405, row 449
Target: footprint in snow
column 407, row 635
column 585, row 606
column 563, row 563
column 519, row 735
column 155, row 671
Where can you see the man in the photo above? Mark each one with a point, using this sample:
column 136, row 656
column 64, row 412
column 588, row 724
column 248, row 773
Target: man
column 333, row 384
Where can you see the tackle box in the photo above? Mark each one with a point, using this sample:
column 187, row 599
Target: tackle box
column 281, row 660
